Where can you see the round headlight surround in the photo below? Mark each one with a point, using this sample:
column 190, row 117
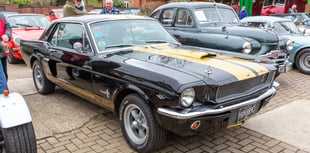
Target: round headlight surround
column 17, row 40
column 289, row 45
column 187, row 97
column 247, row 48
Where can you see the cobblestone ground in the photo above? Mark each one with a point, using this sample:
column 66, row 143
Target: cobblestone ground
column 103, row 134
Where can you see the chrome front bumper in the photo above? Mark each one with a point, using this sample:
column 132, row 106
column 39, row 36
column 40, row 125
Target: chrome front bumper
column 209, row 111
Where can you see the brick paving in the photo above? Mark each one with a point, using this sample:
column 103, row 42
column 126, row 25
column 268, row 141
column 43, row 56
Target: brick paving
column 103, row 135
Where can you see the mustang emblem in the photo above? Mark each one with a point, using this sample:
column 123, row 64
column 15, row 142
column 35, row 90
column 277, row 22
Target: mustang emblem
column 106, row 92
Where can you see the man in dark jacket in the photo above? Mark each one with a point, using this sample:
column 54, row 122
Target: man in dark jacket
column 292, row 9
column 5, row 36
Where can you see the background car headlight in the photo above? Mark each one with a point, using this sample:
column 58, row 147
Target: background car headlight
column 187, row 97
column 16, row 40
column 289, row 45
column 247, row 48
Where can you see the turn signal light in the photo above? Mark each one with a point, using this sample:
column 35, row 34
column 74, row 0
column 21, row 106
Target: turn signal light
column 6, row 92
column 195, row 125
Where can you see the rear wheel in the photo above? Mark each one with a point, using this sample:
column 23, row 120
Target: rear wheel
column 303, row 61
column 42, row 84
column 140, row 129
column 18, row 139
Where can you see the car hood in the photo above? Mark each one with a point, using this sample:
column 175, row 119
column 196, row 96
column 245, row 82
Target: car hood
column 210, row 67
column 28, row 34
column 260, row 35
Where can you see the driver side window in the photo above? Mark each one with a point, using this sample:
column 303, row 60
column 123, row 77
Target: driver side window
column 68, row 34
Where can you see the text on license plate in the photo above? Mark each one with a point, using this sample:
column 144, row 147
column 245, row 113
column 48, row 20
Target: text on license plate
column 246, row 111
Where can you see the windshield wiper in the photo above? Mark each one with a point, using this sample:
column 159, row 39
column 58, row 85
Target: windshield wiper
column 26, row 25
column 119, row 45
column 161, row 41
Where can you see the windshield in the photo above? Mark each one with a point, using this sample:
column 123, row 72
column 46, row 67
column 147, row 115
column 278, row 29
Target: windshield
column 28, row 21
column 125, row 33
column 215, row 15
column 284, row 28
column 59, row 13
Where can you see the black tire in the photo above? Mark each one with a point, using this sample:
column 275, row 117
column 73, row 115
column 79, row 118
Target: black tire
column 12, row 59
column 19, row 139
column 141, row 132
column 42, row 84
column 303, row 61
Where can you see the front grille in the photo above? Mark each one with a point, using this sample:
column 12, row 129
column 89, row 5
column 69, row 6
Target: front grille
column 242, row 88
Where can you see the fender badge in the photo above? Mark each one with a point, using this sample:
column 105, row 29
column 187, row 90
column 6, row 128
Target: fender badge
column 208, row 70
column 106, row 92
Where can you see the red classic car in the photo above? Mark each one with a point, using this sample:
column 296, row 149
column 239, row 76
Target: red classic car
column 55, row 14
column 24, row 26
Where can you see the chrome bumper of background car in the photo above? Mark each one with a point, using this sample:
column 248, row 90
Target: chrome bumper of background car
column 281, row 59
column 209, row 111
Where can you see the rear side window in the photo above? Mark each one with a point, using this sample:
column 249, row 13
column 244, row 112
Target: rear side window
column 167, row 17
column 156, row 15
column 184, row 18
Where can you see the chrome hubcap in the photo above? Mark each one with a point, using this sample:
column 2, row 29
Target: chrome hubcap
column 38, row 77
column 135, row 124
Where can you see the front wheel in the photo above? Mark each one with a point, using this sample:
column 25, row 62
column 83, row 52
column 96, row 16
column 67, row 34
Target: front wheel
column 18, row 139
column 12, row 59
column 140, row 129
column 303, row 61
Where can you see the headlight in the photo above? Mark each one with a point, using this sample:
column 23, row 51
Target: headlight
column 247, row 48
column 289, row 45
column 16, row 40
column 187, row 97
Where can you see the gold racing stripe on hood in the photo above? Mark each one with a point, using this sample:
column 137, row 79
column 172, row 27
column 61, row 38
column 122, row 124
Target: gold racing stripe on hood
column 241, row 70
column 259, row 69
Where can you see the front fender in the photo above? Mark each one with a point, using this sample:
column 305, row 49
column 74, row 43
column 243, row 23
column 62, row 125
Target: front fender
column 13, row 111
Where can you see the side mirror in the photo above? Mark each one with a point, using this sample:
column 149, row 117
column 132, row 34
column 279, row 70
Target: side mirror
column 78, row 46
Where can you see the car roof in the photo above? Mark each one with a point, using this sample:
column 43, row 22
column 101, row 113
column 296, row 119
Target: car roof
column 269, row 19
column 24, row 14
column 192, row 5
column 101, row 17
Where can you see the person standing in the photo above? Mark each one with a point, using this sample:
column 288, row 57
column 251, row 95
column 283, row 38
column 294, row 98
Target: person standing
column 3, row 82
column 5, row 36
column 292, row 9
column 243, row 13
column 79, row 5
column 69, row 9
column 109, row 9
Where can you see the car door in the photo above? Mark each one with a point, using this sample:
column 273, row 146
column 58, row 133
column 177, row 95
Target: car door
column 184, row 29
column 71, row 53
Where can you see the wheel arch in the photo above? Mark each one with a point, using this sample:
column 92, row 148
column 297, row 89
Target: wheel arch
column 123, row 92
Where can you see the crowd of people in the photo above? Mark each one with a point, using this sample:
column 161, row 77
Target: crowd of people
column 75, row 7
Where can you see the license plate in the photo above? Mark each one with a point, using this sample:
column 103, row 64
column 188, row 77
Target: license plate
column 246, row 111
column 282, row 68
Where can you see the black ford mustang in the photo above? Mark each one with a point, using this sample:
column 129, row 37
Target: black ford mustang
column 132, row 66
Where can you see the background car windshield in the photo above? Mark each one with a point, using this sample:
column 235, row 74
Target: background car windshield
column 27, row 21
column 59, row 13
column 125, row 33
column 209, row 15
column 284, row 28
